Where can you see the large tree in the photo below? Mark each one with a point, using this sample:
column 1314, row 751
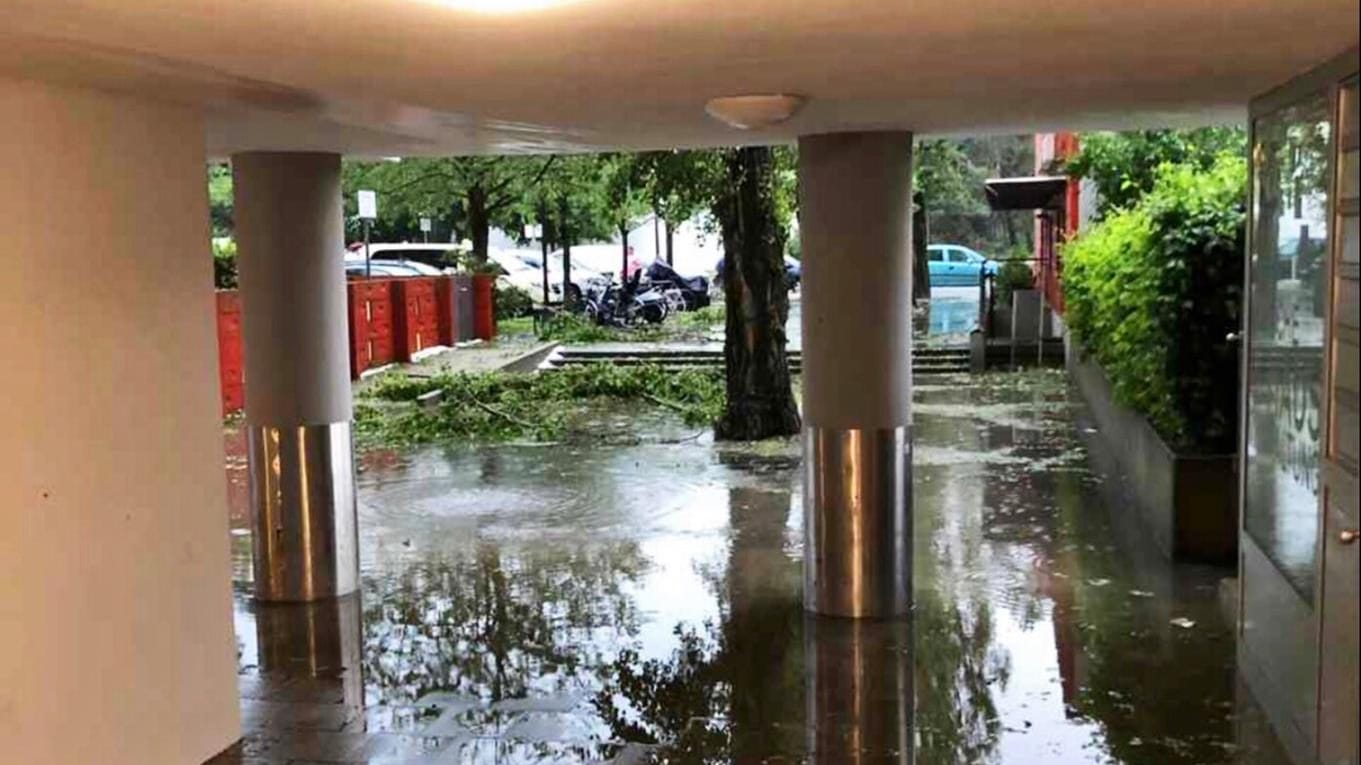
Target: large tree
column 468, row 194
column 760, row 397
column 679, row 185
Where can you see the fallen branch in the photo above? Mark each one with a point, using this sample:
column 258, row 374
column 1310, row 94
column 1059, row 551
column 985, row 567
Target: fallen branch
column 672, row 405
column 529, row 426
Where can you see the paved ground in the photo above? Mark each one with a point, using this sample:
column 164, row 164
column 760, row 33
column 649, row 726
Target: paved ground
column 637, row 604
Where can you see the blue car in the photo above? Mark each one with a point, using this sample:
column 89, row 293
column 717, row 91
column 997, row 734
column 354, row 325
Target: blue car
column 954, row 265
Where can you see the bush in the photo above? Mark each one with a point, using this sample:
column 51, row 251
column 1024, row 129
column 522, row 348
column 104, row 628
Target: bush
column 511, row 302
column 1153, row 291
column 224, row 263
column 1014, row 275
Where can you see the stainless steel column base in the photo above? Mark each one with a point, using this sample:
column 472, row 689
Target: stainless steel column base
column 859, row 690
column 305, row 541
column 857, row 556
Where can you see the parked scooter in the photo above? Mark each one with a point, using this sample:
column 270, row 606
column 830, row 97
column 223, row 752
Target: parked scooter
column 626, row 306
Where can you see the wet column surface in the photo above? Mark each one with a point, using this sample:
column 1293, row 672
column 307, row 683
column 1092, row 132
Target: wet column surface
column 290, row 241
column 855, row 214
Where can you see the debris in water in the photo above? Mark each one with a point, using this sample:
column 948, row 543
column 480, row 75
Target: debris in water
column 1183, row 622
column 1098, row 582
column 1141, row 593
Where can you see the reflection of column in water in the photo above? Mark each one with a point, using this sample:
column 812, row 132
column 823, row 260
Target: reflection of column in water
column 859, row 677
column 321, row 640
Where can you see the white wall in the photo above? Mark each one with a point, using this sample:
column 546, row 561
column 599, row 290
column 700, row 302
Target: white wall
column 116, row 643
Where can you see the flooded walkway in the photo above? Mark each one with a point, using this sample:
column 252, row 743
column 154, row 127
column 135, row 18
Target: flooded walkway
column 641, row 603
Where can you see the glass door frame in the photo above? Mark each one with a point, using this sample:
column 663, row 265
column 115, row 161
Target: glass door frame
column 1262, row 585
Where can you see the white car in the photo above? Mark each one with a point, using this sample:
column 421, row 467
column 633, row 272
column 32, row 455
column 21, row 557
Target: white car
column 439, row 255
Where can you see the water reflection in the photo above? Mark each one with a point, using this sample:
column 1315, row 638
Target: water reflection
column 643, row 604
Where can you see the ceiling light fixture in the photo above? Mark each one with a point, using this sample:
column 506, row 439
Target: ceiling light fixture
column 755, row 111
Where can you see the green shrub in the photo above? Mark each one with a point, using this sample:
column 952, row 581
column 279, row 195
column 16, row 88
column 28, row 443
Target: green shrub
column 224, row 263
column 1014, row 275
column 511, row 302
column 1153, row 291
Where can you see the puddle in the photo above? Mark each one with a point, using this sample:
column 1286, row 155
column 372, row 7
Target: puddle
column 641, row 603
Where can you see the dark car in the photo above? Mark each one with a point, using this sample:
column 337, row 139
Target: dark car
column 695, row 289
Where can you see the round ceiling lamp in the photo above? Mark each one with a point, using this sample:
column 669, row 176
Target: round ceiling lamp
column 755, row 111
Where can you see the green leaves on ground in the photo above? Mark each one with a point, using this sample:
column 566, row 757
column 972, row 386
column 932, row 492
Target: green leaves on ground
column 1153, row 292
column 495, row 406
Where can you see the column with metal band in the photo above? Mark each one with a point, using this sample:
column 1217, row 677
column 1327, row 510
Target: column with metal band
column 290, row 250
column 855, row 220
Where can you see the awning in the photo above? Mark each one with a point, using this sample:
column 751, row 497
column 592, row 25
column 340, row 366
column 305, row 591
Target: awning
column 1037, row 192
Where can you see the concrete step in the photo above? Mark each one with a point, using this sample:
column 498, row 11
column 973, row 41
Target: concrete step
column 925, row 361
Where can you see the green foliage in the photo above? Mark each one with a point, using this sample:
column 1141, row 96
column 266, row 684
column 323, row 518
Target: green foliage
column 1124, row 166
column 1014, row 275
column 1154, row 290
column 463, row 196
column 689, row 326
column 220, row 199
column 224, row 263
column 494, row 406
column 511, row 302
column 950, row 173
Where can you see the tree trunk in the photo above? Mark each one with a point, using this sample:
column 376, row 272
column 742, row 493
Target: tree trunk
column 760, row 398
column 479, row 223
column 565, row 234
column 921, row 234
column 670, row 245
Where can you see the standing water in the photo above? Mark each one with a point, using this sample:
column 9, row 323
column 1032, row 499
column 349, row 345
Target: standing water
column 641, row 603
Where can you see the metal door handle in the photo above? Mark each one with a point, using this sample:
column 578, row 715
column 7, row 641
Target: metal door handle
column 1348, row 536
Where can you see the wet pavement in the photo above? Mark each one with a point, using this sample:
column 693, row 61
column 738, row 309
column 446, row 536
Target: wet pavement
column 641, row 603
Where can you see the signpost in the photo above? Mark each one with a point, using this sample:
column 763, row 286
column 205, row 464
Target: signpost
column 535, row 231
column 426, row 226
column 368, row 212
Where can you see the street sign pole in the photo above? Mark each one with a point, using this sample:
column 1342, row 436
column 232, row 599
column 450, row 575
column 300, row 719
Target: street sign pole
column 368, row 211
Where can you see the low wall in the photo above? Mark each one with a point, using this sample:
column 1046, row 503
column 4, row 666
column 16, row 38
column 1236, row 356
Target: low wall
column 390, row 320
column 1189, row 502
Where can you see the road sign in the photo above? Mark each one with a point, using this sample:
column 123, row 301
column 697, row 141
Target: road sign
column 368, row 204
column 427, row 225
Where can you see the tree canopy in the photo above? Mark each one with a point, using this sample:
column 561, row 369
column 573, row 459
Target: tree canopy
column 1124, row 166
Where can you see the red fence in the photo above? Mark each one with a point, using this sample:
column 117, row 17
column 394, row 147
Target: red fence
column 229, row 362
column 390, row 321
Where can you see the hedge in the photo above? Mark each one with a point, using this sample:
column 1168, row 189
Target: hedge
column 1153, row 292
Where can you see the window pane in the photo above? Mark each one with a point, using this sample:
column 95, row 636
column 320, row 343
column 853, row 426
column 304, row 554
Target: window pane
column 1285, row 339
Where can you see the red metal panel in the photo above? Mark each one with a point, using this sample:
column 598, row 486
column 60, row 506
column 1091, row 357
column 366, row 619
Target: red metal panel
column 416, row 317
column 370, row 324
column 484, row 302
column 229, row 362
column 445, row 315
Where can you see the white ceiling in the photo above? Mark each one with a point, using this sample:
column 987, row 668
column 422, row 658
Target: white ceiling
column 404, row 77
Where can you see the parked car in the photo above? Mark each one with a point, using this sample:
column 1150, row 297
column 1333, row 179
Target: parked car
column 440, row 255
column 954, row 265
column 383, row 268
column 600, row 259
column 525, row 270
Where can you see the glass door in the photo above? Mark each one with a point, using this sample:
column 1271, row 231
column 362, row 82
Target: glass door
column 1297, row 402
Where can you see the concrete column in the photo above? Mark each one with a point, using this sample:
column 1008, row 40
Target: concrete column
column 290, row 251
column 855, row 221
column 116, row 642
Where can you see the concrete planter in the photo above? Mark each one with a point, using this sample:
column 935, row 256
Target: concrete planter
column 1188, row 501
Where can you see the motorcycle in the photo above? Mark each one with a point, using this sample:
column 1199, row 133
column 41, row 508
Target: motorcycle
column 626, row 306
